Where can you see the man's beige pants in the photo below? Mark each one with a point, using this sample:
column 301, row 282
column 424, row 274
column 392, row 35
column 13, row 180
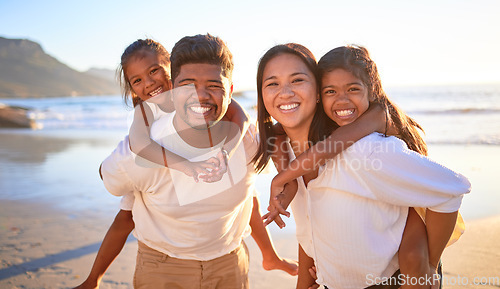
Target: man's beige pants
column 155, row 270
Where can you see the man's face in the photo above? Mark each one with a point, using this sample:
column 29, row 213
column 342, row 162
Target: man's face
column 201, row 94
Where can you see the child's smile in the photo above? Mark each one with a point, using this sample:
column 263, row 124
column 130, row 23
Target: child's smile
column 345, row 97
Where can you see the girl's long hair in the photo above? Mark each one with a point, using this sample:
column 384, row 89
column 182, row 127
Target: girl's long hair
column 356, row 60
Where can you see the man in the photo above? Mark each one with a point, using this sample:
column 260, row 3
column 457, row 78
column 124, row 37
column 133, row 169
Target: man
column 190, row 234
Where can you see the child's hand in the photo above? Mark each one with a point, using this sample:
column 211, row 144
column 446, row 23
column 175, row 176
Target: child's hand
column 216, row 175
column 200, row 170
column 278, row 203
column 273, row 215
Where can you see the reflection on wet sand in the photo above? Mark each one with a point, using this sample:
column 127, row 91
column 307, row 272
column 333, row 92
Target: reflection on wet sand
column 34, row 147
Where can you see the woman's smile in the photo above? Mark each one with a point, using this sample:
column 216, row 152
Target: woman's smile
column 289, row 107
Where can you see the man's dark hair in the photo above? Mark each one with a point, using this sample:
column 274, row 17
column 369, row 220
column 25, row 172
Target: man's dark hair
column 201, row 49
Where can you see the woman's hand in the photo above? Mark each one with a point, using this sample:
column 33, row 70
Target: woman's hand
column 312, row 271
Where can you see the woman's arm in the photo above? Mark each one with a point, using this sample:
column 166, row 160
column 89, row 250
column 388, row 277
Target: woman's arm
column 305, row 280
column 110, row 248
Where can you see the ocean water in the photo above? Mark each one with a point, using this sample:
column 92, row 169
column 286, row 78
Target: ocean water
column 76, row 133
column 448, row 114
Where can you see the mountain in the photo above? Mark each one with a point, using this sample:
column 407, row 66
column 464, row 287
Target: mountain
column 103, row 73
column 27, row 71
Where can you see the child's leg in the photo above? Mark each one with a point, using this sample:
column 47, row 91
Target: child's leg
column 271, row 260
column 110, row 248
column 413, row 251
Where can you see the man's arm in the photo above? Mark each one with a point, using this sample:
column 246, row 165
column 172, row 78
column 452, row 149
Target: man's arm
column 113, row 173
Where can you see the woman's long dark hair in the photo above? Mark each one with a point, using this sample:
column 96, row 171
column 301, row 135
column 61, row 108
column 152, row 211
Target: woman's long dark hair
column 319, row 126
column 356, row 60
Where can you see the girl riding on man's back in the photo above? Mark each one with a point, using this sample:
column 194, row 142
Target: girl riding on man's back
column 145, row 76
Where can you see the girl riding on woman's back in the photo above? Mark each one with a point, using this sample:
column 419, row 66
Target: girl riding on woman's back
column 356, row 211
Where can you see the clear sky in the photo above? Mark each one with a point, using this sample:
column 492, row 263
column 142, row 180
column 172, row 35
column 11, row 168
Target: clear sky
column 412, row 42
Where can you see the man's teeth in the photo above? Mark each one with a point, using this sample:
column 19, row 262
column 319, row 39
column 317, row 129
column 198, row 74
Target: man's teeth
column 156, row 91
column 199, row 109
column 288, row 106
column 345, row 112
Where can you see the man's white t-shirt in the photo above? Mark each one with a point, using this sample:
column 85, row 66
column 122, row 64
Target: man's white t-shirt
column 172, row 213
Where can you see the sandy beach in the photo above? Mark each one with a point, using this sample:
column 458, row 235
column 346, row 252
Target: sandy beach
column 54, row 213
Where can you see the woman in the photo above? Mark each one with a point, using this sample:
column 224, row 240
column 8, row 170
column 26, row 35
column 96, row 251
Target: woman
column 288, row 92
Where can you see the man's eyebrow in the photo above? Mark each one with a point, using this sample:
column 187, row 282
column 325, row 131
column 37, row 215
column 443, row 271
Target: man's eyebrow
column 193, row 80
column 186, row 79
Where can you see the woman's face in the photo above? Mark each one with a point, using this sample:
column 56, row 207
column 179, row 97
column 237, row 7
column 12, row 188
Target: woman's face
column 345, row 97
column 289, row 91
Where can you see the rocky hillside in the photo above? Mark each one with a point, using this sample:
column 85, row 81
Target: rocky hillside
column 27, row 71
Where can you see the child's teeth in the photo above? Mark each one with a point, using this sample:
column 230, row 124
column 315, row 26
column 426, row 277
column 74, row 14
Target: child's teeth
column 156, row 91
column 345, row 112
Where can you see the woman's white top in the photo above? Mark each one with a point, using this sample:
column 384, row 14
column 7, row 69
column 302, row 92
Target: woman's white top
column 350, row 219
